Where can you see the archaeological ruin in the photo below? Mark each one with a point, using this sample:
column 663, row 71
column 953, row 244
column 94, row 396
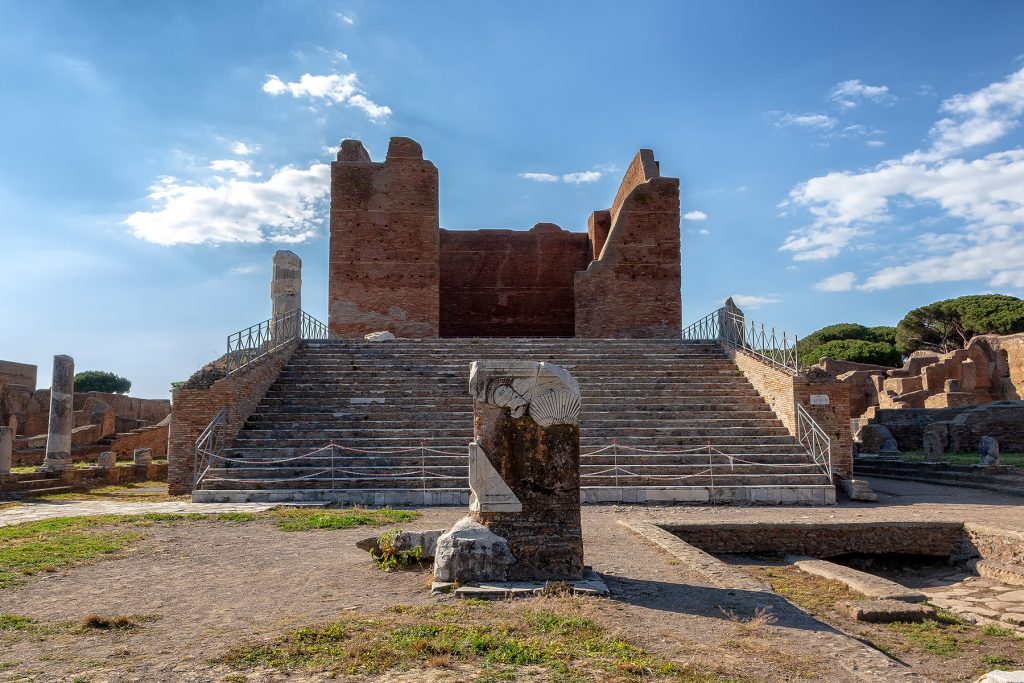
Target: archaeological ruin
column 369, row 408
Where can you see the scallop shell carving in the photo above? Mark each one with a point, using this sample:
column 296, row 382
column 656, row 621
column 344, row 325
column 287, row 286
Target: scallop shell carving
column 555, row 407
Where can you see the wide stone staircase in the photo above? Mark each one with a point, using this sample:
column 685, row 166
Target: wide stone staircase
column 389, row 423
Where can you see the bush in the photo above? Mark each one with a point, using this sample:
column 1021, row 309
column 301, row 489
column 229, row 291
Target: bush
column 857, row 351
column 98, row 380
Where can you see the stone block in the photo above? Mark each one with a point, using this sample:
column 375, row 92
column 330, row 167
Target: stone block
column 106, row 459
column 857, row 489
column 988, row 452
column 383, row 336
column 885, row 611
column 471, row 552
column 143, row 456
column 870, row 438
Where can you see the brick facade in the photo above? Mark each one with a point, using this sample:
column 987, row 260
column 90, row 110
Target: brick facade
column 510, row 283
column 194, row 409
column 392, row 268
column 632, row 289
column 383, row 272
column 781, row 391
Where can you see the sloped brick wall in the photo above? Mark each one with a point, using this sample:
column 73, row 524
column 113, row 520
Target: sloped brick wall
column 781, row 391
column 634, row 289
column 193, row 409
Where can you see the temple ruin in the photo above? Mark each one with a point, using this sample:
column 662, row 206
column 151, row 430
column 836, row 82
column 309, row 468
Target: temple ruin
column 393, row 268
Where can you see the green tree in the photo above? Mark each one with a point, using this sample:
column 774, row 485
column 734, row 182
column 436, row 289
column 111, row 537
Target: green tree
column 856, row 350
column 98, row 380
column 947, row 325
column 852, row 342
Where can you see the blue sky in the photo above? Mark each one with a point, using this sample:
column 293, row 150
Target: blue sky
column 839, row 162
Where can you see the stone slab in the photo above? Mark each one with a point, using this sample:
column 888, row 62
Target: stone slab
column 862, row 582
column 591, row 584
column 885, row 611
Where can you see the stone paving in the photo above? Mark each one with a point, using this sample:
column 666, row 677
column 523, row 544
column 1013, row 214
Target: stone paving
column 31, row 512
column 979, row 598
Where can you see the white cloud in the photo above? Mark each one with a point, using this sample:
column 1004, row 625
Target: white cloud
column 540, row 177
column 333, row 88
column 703, row 231
column 577, row 178
column 813, row 121
column 283, row 208
column 840, row 282
column 581, row 177
column 983, row 197
column 980, row 117
column 849, row 94
column 695, row 216
column 876, row 143
column 752, row 301
column 242, row 149
column 346, row 19
column 242, row 169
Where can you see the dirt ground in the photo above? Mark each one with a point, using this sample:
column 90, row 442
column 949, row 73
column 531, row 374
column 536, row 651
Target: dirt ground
column 207, row 587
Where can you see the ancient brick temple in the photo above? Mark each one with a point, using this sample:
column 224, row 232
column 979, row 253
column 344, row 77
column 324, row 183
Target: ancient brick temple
column 393, row 268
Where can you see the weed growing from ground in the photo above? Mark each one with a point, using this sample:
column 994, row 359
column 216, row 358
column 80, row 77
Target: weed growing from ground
column 387, row 556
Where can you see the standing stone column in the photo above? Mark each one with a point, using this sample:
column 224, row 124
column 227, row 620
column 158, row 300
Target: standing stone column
column 286, row 294
column 62, row 393
column 6, row 449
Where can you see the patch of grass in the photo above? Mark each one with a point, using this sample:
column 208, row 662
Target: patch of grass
column 50, row 544
column 132, row 492
column 990, row 661
column 929, row 635
column 812, row 593
column 14, row 622
column 307, row 519
column 1001, row 632
column 9, row 504
column 1011, row 458
column 498, row 640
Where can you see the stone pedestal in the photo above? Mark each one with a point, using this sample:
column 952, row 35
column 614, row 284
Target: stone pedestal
column 143, row 456
column 524, row 477
column 62, row 415
column 6, row 449
column 106, row 460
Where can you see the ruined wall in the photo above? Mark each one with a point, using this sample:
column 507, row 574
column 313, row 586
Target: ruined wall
column 506, row 283
column 781, row 391
column 383, row 270
column 21, row 374
column 633, row 289
column 194, row 409
column 823, row 540
column 965, row 425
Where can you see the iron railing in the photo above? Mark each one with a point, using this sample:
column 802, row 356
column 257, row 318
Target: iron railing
column 209, row 445
column 778, row 349
column 258, row 340
column 814, row 440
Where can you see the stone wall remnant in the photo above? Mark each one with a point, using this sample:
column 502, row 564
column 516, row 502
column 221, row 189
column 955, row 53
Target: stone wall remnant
column 62, row 415
column 990, row 368
column 524, row 475
column 285, row 285
column 988, row 452
column 6, row 448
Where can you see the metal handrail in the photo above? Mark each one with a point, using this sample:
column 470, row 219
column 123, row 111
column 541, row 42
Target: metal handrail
column 725, row 326
column 209, row 445
column 258, row 340
column 814, row 440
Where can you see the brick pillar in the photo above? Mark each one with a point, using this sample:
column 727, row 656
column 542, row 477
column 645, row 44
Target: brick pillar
column 6, row 449
column 383, row 271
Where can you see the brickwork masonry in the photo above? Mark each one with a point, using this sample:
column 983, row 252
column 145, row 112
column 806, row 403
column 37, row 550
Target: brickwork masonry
column 781, row 391
column 193, row 409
